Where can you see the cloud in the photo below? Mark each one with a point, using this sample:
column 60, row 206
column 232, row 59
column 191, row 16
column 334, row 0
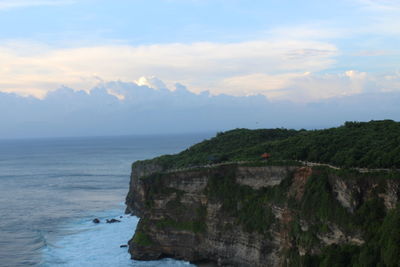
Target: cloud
column 267, row 84
column 290, row 63
column 308, row 87
column 9, row 4
column 312, row 87
column 144, row 110
column 151, row 82
column 35, row 69
column 281, row 70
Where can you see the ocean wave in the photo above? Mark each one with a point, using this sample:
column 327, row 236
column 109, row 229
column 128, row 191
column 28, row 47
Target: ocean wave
column 89, row 244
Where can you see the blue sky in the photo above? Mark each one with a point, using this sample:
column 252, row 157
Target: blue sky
column 302, row 51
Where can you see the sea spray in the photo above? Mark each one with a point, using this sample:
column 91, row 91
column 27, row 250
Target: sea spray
column 90, row 244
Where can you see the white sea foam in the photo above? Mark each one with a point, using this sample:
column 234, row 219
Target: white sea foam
column 89, row 244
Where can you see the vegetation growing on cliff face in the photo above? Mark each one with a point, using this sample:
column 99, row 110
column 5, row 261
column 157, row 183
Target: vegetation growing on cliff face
column 370, row 220
column 250, row 207
column 311, row 216
column 382, row 249
column 196, row 225
column 374, row 144
column 142, row 239
column 318, row 202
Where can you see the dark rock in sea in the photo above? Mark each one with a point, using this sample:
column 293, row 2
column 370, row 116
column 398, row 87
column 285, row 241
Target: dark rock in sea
column 120, row 217
column 112, row 221
column 127, row 210
column 96, row 220
column 123, row 246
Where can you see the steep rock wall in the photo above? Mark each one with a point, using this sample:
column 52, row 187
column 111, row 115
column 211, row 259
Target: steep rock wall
column 235, row 215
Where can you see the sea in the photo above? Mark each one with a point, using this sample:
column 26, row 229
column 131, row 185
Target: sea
column 52, row 189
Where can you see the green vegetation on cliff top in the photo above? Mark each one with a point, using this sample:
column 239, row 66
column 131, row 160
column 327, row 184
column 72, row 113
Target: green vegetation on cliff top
column 374, row 144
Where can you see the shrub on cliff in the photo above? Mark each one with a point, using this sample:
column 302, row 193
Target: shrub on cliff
column 374, row 144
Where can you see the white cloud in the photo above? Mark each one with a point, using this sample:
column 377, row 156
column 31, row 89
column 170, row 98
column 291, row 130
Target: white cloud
column 202, row 66
column 313, row 87
column 306, row 87
column 152, row 82
column 267, row 84
column 276, row 68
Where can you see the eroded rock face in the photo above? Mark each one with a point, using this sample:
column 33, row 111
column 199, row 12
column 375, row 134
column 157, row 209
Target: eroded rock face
column 136, row 196
column 258, row 177
column 183, row 222
column 345, row 194
column 300, row 177
column 392, row 194
column 234, row 215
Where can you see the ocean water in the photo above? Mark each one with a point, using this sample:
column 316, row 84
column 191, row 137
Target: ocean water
column 51, row 189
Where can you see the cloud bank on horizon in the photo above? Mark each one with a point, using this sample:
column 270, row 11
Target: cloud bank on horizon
column 147, row 107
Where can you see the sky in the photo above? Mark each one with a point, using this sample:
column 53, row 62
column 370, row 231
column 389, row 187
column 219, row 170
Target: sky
column 302, row 52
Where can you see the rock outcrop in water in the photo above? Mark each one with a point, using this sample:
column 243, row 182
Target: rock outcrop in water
column 249, row 215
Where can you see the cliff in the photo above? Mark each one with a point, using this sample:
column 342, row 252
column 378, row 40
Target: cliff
column 258, row 215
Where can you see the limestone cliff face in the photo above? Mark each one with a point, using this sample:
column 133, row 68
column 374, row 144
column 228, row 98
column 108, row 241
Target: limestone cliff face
column 235, row 215
column 136, row 197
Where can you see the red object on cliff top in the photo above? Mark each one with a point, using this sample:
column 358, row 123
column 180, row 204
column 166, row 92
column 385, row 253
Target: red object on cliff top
column 266, row 156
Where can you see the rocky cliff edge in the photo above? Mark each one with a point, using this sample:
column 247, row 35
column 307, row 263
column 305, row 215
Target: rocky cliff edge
column 255, row 215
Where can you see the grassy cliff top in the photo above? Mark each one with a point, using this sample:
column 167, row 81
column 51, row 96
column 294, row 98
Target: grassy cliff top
column 374, row 144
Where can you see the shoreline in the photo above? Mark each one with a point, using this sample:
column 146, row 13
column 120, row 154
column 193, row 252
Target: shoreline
column 81, row 242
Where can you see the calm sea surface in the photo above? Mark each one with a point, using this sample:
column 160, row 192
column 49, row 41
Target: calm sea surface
column 51, row 189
